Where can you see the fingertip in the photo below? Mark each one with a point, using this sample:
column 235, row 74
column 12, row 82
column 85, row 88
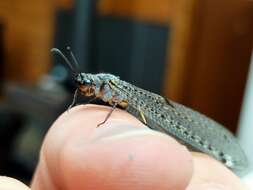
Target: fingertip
column 211, row 174
column 122, row 153
column 7, row 183
column 125, row 157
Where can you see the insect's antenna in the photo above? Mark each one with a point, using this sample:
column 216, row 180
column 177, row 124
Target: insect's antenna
column 58, row 52
column 73, row 57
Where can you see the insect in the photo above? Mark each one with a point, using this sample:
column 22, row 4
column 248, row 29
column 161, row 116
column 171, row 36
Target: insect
column 189, row 127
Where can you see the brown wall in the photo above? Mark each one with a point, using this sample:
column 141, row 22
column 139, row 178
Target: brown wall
column 216, row 60
column 28, row 35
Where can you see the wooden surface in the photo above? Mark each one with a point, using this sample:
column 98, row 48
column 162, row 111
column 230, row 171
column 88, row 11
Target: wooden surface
column 29, row 31
column 28, row 38
column 183, row 27
column 212, row 73
column 158, row 12
column 65, row 4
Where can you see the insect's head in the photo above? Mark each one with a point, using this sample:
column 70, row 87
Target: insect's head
column 82, row 79
column 85, row 84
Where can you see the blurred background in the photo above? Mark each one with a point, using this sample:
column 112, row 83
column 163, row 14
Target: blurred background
column 194, row 52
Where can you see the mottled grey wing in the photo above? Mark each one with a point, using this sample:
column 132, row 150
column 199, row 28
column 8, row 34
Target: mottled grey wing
column 200, row 133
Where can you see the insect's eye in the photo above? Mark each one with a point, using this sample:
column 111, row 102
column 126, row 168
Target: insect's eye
column 87, row 82
column 82, row 80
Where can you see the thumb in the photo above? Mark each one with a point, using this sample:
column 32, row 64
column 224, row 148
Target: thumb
column 7, row 183
column 121, row 154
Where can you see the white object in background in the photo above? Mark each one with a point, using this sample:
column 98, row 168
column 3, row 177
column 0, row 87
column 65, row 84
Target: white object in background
column 245, row 133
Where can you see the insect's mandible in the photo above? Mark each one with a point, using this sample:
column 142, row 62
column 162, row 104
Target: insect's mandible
column 189, row 127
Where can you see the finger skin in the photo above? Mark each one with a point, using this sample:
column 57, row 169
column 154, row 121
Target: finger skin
column 7, row 183
column 212, row 175
column 121, row 154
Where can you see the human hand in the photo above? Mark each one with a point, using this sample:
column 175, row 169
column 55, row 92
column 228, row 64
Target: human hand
column 121, row 154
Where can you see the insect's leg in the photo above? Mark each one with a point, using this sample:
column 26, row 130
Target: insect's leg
column 74, row 99
column 108, row 115
column 142, row 116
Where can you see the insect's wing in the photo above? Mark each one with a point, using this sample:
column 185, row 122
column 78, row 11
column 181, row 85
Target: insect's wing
column 206, row 135
column 188, row 126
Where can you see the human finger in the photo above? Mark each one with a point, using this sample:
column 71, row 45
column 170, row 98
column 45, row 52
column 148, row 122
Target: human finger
column 121, row 154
